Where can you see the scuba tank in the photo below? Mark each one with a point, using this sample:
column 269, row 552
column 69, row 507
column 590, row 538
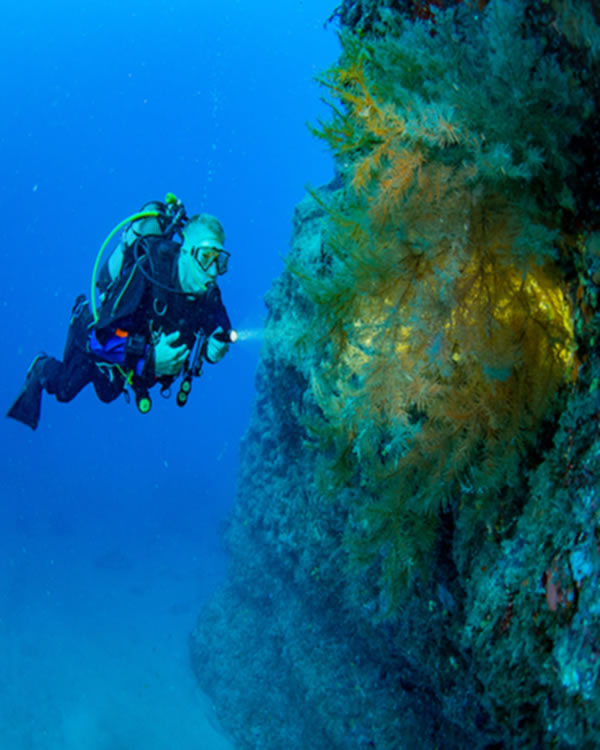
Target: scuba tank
column 171, row 218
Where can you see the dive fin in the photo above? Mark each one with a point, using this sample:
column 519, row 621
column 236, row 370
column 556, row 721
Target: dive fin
column 27, row 406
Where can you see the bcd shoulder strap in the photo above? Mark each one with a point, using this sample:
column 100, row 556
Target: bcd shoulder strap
column 161, row 257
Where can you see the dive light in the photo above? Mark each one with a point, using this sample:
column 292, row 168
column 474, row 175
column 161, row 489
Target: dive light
column 193, row 367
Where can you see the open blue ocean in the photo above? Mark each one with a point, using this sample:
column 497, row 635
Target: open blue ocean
column 109, row 520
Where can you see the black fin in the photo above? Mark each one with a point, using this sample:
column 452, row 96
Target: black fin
column 27, row 406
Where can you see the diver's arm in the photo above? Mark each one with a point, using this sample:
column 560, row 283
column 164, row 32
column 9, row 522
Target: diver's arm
column 219, row 325
column 217, row 346
column 169, row 358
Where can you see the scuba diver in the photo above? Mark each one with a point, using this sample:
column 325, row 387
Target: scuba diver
column 160, row 315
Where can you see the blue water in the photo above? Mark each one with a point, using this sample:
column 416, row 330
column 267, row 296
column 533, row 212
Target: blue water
column 109, row 520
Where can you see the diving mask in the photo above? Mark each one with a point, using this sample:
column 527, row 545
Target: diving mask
column 206, row 255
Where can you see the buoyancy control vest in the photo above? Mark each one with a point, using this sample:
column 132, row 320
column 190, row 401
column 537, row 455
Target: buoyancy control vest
column 170, row 217
column 147, row 268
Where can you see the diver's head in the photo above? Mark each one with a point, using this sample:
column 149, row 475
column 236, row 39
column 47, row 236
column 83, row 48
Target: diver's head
column 203, row 256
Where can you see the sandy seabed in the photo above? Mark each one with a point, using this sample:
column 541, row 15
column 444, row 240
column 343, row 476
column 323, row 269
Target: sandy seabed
column 94, row 646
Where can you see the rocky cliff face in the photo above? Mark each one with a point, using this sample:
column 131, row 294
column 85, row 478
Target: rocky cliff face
column 414, row 549
column 292, row 656
column 285, row 655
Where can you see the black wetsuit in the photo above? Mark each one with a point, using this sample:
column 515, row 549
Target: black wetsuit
column 145, row 300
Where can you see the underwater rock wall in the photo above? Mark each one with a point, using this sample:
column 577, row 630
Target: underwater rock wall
column 286, row 657
column 414, row 549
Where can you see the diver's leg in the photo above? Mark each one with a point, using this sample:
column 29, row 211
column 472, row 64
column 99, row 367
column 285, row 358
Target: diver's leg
column 63, row 379
column 108, row 385
column 67, row 378
column 79, row 367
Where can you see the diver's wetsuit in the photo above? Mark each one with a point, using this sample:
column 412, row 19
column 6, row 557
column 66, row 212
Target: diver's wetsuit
column 79, row 367
column 144, row 301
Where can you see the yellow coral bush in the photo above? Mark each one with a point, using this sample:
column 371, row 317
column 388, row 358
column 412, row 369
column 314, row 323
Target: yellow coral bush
column 444, row 330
